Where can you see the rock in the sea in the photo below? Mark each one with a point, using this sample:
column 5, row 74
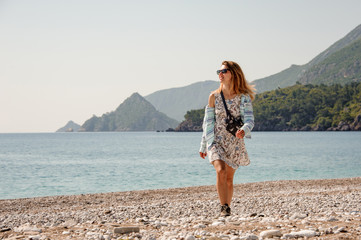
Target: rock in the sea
column 270, row 234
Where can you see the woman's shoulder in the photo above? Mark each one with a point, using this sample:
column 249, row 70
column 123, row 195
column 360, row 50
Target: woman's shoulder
column 245, row 97
column 212, row 97
column 214, row 93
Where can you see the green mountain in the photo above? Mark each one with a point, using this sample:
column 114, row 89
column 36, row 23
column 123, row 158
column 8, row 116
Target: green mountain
column 343, row 66
column 293, row 74
column 175, row 102
column 134, row 114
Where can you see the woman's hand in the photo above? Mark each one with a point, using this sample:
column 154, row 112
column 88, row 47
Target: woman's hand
column 240, row 134
column 203, row 155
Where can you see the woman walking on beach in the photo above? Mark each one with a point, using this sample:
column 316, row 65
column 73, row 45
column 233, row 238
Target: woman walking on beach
column 226, row 152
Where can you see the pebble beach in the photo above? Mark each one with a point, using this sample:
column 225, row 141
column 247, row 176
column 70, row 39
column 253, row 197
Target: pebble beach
column 297, row 209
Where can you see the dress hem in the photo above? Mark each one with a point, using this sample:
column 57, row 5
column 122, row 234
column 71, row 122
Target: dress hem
column 230, row 165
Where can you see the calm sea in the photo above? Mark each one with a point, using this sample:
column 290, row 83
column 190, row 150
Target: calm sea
column 43, row 164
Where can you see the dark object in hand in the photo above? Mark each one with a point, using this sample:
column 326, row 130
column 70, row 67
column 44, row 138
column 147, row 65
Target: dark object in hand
column 233, row 124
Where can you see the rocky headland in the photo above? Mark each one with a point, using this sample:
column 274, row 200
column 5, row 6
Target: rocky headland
column 312, row 209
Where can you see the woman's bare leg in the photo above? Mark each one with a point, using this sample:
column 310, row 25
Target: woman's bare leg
column 224, row 181
column 230, row 174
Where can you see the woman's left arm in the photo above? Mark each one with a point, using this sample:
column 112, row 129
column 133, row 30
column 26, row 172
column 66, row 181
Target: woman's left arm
column 248, row 116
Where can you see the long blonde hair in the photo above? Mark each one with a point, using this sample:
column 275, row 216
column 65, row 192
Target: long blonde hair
column 239, row 82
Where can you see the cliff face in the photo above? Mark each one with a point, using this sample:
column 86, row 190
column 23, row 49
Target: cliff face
column 189, row 126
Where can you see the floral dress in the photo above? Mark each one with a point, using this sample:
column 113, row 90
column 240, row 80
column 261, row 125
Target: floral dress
column 227, row 147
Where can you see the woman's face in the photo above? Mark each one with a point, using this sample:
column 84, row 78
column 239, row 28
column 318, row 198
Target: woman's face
column 225, row 78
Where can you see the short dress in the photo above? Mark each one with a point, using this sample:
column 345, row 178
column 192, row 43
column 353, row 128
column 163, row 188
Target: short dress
column 225, row 146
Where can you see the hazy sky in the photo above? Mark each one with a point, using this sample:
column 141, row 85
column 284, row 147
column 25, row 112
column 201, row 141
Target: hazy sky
column 67, row 60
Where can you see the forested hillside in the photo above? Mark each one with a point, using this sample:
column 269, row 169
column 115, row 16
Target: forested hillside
column 300, row 107
column 193, row 121
column 308, row 107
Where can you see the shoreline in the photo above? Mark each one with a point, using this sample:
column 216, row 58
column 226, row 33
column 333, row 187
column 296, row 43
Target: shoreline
column 166, row 189
column 172, row 188
column 322, row 208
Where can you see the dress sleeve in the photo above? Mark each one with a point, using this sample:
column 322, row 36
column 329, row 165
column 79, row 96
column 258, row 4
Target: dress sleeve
column 208, row 128
column 248, row 116
column 203, row 141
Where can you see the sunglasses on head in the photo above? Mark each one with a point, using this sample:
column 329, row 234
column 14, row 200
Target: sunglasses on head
column 222, row 71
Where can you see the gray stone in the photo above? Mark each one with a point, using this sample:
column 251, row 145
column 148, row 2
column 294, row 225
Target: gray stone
column 289, row 236
column 27, row 228
column 271, row 233
column 298, row 216
column 190, row 237
column 126, row 229
column 302, row 233
column 69, row 224
column 332, row 219
column 151, row 237
column 200, row 226
column 235, row 238
column 107, row 237
column 214, row 224
column 235, row 223
column 37, row 237
column 250, row 237
column 341, row 230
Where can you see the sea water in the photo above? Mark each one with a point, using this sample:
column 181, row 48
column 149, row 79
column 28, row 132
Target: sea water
column 43, row 164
